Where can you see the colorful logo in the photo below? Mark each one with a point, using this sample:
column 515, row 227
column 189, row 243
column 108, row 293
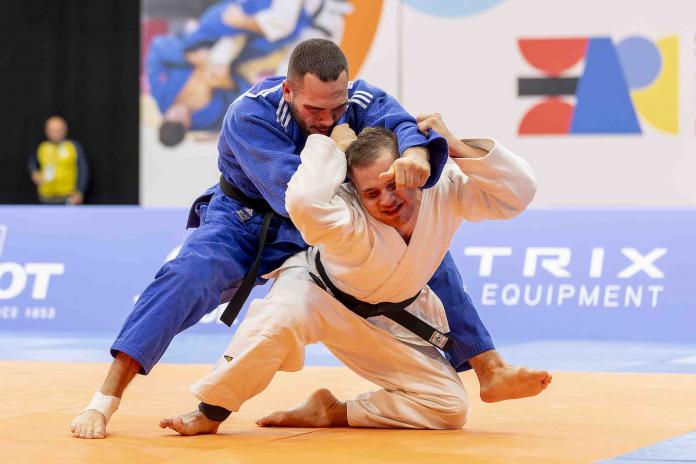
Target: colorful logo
column 618, row 83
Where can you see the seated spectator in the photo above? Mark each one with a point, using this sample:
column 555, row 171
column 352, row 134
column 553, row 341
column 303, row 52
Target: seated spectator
column 59, row 168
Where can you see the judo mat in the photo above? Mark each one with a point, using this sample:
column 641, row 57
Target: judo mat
column 582, row 417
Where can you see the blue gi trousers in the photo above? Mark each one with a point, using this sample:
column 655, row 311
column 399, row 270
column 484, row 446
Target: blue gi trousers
column 216, row 257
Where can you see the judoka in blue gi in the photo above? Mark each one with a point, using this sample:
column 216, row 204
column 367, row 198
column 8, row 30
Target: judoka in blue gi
column 194, row 78
column 264, row 132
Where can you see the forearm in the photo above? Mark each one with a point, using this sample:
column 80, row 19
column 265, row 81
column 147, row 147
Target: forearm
column 498, row 185
column 311, row 191
column 461, row 149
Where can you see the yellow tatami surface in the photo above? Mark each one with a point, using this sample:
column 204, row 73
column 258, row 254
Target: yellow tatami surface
column 581, row 417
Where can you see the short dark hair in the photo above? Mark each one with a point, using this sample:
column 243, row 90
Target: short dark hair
column 171, row 133
column 366, row 148
column 320, row 57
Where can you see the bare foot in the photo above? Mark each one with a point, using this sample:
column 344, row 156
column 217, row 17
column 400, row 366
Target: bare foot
column 89, row 424
column 193, row 423
column 499, row 381
column 321, row 409
column 512, row 382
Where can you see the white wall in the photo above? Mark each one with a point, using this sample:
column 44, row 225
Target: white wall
column 467, row 68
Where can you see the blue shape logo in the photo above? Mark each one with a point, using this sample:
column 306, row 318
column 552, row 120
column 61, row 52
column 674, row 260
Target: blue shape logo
column 452, row 8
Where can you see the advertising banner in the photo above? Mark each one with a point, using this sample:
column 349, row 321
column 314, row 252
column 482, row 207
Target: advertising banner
column 624, row 274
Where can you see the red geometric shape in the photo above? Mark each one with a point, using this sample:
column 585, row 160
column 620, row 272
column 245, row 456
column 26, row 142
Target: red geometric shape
column 553, row 56
column 552, row 116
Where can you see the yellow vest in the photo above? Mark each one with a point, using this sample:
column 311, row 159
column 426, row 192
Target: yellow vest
column 58, row 165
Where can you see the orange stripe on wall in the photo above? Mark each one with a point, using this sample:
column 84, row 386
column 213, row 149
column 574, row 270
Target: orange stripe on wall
column 360, row 29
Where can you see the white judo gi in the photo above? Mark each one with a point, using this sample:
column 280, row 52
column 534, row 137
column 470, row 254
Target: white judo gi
column 369, row 260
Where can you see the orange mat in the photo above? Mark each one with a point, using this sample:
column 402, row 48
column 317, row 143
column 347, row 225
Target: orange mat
column 582, row 417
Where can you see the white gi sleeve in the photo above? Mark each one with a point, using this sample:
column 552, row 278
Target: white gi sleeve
column 279, row 19
column 499, row 185
column 320, row 213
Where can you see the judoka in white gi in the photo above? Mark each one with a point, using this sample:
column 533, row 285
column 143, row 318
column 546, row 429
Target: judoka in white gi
column 378, row 244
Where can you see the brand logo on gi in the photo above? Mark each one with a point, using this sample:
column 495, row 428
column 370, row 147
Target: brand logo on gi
column 19, row 275
column 438, row 340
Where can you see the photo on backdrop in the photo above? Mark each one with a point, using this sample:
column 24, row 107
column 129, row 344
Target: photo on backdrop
column 197, row 58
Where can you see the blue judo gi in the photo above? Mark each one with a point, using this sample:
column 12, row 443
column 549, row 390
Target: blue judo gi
column 258, row 153
column 168, row 70
column 211, row 26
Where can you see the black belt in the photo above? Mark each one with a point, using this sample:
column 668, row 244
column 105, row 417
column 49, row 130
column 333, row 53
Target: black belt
column 260, row 206
column 394, row 311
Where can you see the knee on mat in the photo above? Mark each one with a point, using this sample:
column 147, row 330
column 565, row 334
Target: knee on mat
column 454, row 413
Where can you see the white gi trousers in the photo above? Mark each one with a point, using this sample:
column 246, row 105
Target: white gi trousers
column 419, row 388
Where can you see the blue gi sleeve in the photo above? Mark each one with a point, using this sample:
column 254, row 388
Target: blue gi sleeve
column 82, row 168
column 386, row 112
column 164, row 57
column 266, row 154
column 210, row 28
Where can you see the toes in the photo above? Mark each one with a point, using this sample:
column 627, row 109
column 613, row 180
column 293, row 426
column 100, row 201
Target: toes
column 275, row 419
column 77, row 430
column 178, row 425
column 164, row 423
column 537, row 375
column 99, row 431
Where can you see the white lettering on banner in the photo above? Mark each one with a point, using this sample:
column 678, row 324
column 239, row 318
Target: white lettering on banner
column 511, row 295
column 589, row 298
column 487, row 254
column 488, row 294
column 556, row 261
column 611, row 293
column 565, row 292
column 556, row 264
column 3, row 234
column 9, row 312
column 528, row 300
column 18, row 278
column 19, row 275
column 597, row 262
column 40, row 312
column 642, row 263
column 609, row 296
column 655, row 290
column 43, row 273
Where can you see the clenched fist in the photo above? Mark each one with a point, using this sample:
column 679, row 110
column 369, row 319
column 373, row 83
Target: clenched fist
column 412, row 170
column 343, row 136
column 434, row 121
